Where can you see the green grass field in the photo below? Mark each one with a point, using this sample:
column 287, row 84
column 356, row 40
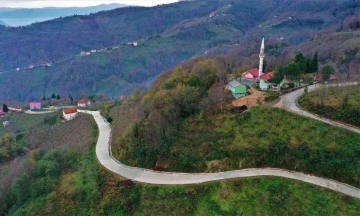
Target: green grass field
column 20, row 122
column 338, row 103
column 88, row 189
column 261, row 138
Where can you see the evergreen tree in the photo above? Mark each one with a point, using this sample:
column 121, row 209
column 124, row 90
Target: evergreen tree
column 278, row 76
column 58, row 97
column 327, row 71
column 53, row 96
column 44, row 98
column 315, row 63
column 299, row 58
column 5, row 108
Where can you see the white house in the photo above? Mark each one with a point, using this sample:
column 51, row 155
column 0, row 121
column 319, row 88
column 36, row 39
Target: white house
column 70, row 114
column 84, row 103
column 93, row 50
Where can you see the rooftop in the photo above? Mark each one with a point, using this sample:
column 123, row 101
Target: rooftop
column 70, row 111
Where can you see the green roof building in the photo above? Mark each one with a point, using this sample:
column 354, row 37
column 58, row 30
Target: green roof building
column 237, row 89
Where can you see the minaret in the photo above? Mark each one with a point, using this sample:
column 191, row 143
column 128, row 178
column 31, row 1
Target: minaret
column 262, row 56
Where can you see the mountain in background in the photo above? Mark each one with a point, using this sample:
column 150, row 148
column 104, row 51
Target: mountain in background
column 27, row 16
column 2, row 23
column 166, row 36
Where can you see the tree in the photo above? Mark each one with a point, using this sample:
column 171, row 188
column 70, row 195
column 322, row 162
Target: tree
column 315, row 63
column 327, row 71
column 58, row 97
column 299, row 58
column 44, row 98
column 5, row 108
column 278, row 76
column 53, row 96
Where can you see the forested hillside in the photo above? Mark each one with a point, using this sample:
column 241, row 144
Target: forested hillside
column 167, row 35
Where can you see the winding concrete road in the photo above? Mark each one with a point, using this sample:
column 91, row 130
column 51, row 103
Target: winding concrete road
column 289, row 103
column 103, row 154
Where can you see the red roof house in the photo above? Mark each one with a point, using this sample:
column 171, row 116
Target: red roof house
column 84, row 103
column 267, row 76
column 252, row 74
column 2, row 113
column 320, row 77
column 70, row 114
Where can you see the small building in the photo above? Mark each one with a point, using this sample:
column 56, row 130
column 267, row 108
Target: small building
column 252, row 74
column 2, row 113
column 88, row 53
column 82, row 53
column 135, row 43
column 265, row 85
column 6, row 123
column 70, row 114
column 35, row 105
column 18, row 69
column 84, row 103
column 31, row 66
column 237, row 89
column 123, row 97
column 320, row 77
column 93, row 51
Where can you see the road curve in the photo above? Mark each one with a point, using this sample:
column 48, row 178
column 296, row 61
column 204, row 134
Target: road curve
column 289, row 103
column 103, row 154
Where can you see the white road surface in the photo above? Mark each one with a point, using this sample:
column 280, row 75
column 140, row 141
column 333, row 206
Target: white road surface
column 103, row 154
column 289, row 103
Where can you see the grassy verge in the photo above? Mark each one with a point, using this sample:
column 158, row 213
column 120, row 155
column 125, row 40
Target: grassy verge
column 338, row 103
column 87, row 189
column 260, row 138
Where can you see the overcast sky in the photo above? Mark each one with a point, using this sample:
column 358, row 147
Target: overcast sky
column 77, row 3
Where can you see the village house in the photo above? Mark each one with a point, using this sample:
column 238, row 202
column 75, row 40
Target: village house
column 70, row 114
column 2, row 113
column 84, row 103
column 82, row 53
column 93, row 51
column 88, row 53
column 237, row 89
column 251, row 75
column 320, row 77
column 31, row 66
column 135, row 43
column 35, row 105
column 18, row 69
column 265, row 85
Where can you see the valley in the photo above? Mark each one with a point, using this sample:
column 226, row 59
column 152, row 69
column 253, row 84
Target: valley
column 188, row 108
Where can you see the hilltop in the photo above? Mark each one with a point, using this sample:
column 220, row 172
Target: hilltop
column 27, row 16
column 166, row 35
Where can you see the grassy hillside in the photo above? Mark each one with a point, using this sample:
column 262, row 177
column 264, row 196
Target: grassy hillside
column 34, row 140
column 340, row 49
column 339, row 103
column 78, row 186
column 170, row 34
column 182, row 124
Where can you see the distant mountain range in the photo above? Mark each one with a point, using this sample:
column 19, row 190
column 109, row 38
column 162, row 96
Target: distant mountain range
column 48, row 58
column 2, row 23
column 27, row 16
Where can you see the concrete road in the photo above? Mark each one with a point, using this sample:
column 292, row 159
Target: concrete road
column 289, row 103
column 103, row 154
